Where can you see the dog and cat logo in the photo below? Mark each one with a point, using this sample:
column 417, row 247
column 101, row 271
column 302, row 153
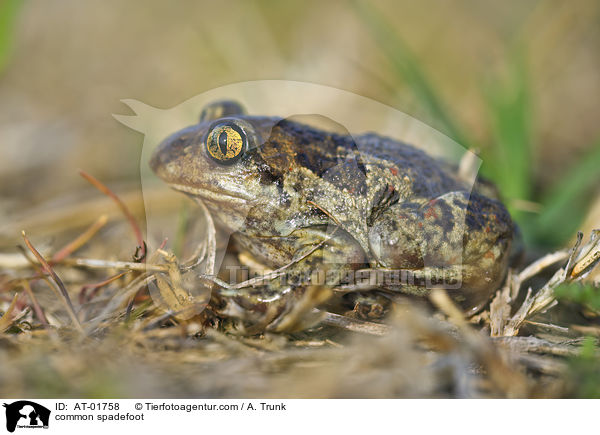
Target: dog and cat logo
column 25, row 414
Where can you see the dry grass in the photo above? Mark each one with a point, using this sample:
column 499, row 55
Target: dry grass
column 79, row 321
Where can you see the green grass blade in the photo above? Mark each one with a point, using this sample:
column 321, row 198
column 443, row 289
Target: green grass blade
column 407, row 68
column 583, row 372
column 566, row 202
column 586, row 295
column 509, row 107
column 8, row 14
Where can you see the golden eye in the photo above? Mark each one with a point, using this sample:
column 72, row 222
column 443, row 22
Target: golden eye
column 226, row 142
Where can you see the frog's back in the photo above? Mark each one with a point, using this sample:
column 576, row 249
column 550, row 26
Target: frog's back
column 375, row 158
column 429, row 177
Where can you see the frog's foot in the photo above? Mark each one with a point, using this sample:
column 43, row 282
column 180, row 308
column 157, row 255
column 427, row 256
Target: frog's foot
column 368, row 306
column 289, row 310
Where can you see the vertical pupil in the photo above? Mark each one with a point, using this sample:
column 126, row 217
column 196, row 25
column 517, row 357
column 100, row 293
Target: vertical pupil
column 223, row 142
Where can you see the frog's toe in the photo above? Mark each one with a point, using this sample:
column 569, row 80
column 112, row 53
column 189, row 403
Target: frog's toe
column 368, row 306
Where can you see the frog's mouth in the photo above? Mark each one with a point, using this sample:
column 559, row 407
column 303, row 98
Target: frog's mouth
column 214, row 196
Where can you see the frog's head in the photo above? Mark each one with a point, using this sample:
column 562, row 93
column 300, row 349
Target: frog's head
column 220, row 161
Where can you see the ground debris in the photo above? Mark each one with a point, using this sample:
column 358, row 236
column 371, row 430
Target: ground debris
column 87, row 325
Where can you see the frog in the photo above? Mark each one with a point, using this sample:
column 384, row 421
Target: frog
column 300, row 196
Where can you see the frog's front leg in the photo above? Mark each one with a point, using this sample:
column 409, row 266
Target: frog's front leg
column 458, row 240
column 329, row 260
column 315, row 257
column 325, row 255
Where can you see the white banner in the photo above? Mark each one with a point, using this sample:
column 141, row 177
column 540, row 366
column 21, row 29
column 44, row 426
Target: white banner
column 261, row 416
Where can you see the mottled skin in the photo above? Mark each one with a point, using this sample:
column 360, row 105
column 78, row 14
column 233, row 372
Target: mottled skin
column 377, row 202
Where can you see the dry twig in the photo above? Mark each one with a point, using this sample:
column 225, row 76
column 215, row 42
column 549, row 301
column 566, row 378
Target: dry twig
column 61, row 289
column 132, row 221
column 581, row 261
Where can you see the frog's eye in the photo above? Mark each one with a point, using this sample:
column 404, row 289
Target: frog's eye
column 226, row 142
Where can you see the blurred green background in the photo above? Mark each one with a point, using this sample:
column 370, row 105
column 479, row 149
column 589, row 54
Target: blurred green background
column 516, row 80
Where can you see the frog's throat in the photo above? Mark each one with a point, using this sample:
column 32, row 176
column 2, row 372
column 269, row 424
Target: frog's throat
column 214, row 197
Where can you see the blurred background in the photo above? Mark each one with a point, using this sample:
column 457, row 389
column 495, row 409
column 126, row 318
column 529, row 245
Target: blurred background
column 517, row 81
